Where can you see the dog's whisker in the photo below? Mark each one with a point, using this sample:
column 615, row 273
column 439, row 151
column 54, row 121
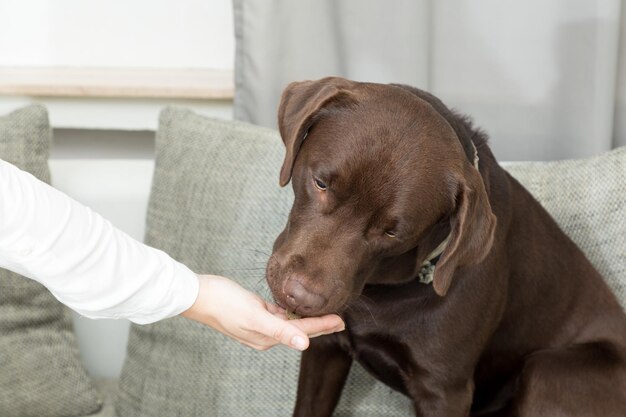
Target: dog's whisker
column 361, row 297
column 241, row 269
column 257, row 251
column 362, row 306
column 260, row 287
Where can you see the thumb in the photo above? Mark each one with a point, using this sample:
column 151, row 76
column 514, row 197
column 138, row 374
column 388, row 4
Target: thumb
column 283, row 332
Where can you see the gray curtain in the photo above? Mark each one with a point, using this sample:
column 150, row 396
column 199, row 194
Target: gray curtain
column 545, row 78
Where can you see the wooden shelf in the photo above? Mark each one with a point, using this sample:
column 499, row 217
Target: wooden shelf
column 118, row 83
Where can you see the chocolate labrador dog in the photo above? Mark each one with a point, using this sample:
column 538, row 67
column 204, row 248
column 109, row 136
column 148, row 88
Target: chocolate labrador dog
column 393, row 190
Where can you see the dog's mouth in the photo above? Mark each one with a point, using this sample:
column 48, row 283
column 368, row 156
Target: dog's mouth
column 292, row 316
column 301, row 296
column 289, row 312
column 296, row 311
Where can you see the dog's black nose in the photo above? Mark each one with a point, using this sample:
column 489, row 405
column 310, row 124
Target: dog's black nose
column 302, row 300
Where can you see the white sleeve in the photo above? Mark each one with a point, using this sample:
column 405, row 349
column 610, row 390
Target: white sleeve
column 85, row 262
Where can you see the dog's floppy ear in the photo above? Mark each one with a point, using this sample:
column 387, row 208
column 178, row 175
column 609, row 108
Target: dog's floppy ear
column 300, row 105
column 472, row 222
column 472, row 228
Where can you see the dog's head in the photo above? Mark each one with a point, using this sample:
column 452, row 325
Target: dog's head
column 380, row 178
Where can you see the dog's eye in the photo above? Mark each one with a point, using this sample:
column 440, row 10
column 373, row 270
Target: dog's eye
column 390, row 233
column 319, row 184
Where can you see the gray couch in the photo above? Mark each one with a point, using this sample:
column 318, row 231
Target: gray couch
column 215, row 205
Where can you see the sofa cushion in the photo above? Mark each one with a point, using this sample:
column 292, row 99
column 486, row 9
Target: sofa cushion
column 216, row 206
column 587, row 198
column 41, row 373
column 106, row 388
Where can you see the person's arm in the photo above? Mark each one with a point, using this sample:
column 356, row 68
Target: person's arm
column 86, row 263
column 101, row 272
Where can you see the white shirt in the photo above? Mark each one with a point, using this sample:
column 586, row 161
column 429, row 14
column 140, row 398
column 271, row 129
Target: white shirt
column 83, row 260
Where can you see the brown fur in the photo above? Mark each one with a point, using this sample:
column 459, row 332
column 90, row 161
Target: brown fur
column 517, row 322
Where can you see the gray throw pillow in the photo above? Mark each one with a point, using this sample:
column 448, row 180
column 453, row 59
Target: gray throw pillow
column 216, row 206
column 587, row 198
column 41, row 373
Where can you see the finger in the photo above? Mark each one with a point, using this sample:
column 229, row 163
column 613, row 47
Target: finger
column 282, row 316
column 318, row 334
column 282, row 331
column 320, row 325
column 255, row 340
column 273, row 308
column 333, row 321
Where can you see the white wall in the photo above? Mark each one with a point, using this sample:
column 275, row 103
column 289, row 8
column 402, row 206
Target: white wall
column 149, row 34
column 117, row 33
column 103, row 149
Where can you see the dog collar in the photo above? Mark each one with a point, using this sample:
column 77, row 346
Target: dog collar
column 427, row 270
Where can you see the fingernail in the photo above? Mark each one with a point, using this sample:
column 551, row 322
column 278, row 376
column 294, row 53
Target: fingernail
column 298, row 342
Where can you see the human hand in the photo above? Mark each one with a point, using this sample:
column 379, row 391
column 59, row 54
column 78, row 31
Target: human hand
column 238, row 313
